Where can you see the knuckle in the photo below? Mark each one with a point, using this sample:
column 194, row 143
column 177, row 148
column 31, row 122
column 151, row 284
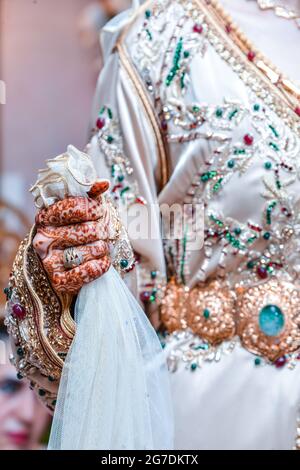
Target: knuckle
column 37, row 244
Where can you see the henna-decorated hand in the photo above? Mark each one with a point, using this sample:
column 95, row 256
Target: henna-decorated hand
column 74, row 222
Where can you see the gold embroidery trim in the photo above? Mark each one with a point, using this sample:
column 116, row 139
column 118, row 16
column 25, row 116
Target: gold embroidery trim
column 267, row 75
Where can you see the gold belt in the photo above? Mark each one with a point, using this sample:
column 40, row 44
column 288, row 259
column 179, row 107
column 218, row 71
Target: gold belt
column 266, row 317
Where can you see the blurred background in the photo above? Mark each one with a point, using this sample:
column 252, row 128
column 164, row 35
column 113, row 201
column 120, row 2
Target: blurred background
column 50, row 59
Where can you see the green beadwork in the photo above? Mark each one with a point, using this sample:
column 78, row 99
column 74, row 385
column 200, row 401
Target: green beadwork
column 233, row 241
column 251, row 240
column 208, row 175
column 194, row 366
column 109, row 139
column 124, row 191
column 268, row 165
column 232, row 114
column 274, row 146
column 256, row 107
column 231, row 163
column 267, row 235
column 274, row 131
column 147, row 14
column 110, row 113
column 239, row 151
column 124, row 263
column 182, row 80
column 219, row 112
column 250, row 264
column 176, row 63
column 218, row 185
column 269, row 212
column 257, row 361
column 216, row 220
column 186, row 54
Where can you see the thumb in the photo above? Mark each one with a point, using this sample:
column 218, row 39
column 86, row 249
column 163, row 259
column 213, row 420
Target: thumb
column 101, row 186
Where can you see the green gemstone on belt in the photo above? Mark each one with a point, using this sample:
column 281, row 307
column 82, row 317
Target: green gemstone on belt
column 193, row 366
column 206, row 313
column 271, row 320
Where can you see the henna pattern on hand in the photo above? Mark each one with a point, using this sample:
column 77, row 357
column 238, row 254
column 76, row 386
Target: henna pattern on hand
column 70, row 235
column 72, row 210
column 79, row 222
column 71, row 281
column 54, row 262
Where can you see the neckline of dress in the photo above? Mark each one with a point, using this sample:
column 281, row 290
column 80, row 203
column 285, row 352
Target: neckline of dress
column 287, row 87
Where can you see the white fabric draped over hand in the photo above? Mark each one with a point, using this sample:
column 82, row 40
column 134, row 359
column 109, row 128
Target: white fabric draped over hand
column 114, row 390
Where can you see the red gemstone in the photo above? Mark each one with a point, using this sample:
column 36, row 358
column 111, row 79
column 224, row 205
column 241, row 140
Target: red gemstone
column 280, row 362
column 251, row 56
column 228, row 28
column 138, row 200
column 248, row 139
column 164, row 125
column 297, row 110
column 19, row 311
column 145, row 296
column 262, row 272
column 198, row 28
column 100, row 123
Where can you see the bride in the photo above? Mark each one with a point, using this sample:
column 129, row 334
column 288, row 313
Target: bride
column 193, row 107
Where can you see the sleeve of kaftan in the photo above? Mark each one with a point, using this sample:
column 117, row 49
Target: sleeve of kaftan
column 124, row 150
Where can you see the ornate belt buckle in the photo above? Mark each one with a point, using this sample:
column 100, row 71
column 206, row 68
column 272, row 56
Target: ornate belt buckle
column 211, row 312
column 269, row 319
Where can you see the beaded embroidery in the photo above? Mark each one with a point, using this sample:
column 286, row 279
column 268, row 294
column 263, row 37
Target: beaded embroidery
column 262, row 136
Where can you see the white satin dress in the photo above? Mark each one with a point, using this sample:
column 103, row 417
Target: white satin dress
column 234, row 399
